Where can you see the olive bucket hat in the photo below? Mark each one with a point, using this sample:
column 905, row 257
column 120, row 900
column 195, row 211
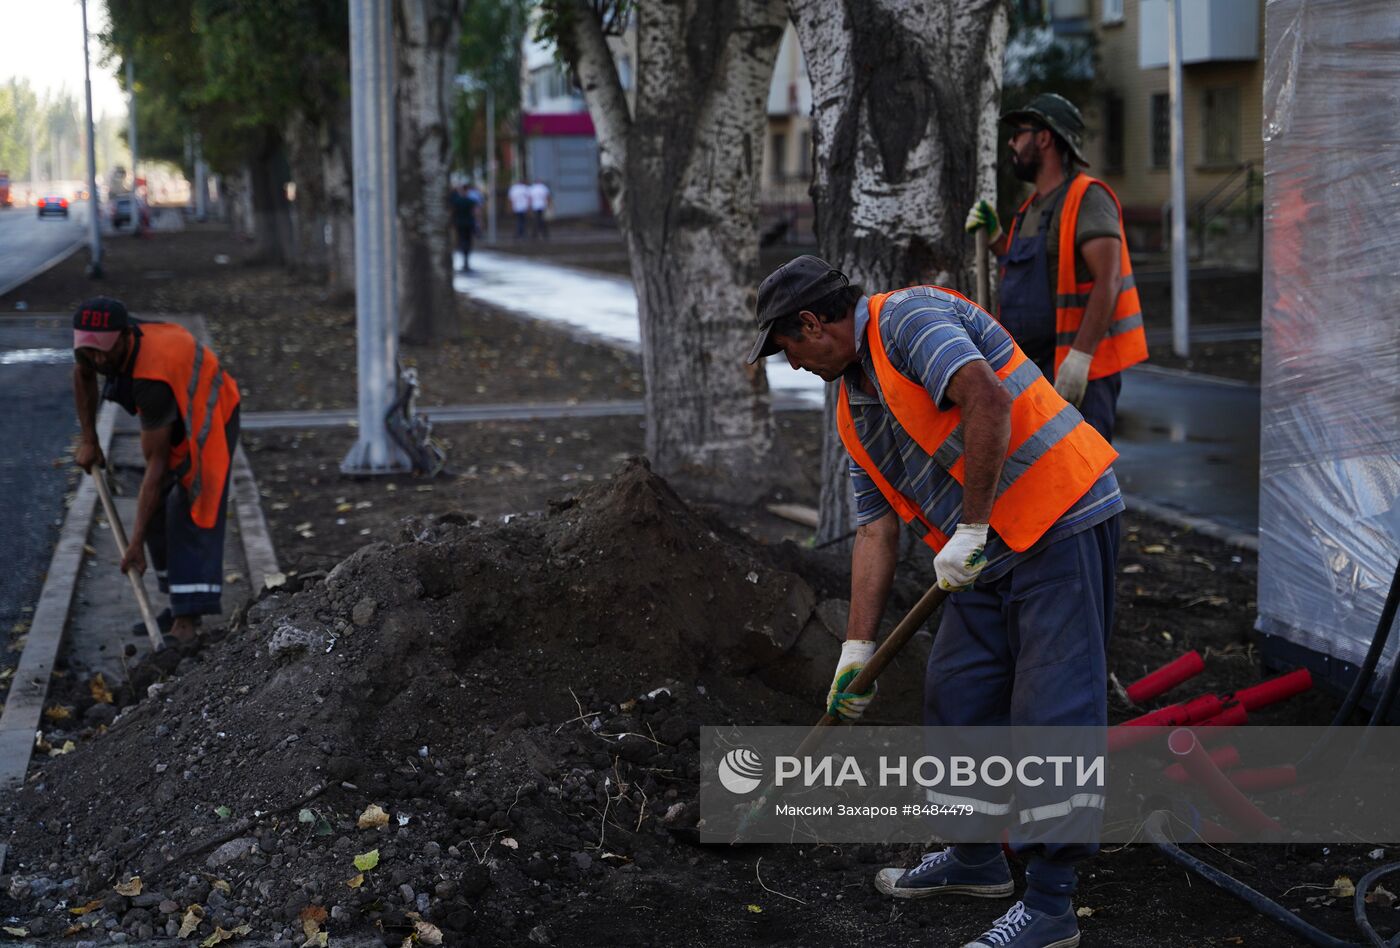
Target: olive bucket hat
column 1059, row 115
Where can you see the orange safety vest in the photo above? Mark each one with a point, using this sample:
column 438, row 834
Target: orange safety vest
column 206, row 396
column 1125, row 342
column 1053, row 457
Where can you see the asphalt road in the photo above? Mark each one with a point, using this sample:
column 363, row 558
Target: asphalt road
column 26, row 242
column 36, row 376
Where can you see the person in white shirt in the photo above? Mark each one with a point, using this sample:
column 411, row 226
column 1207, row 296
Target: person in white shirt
column 539, row 204
column 519, row 196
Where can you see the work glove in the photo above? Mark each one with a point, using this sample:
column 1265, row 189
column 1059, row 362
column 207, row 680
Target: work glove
column 1072, row 377
column 843, row 704
column 961, row 558
column 983, row 215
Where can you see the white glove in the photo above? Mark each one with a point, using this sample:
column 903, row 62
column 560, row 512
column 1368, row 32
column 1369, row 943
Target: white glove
column 961, row 558
column 1072, row 377
column 840, row 703
column 983, row 215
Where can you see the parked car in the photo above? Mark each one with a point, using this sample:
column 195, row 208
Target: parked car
column 52, row 205
column 123, row 205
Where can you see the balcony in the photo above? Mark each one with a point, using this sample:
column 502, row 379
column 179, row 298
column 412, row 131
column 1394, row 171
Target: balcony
column 1211, row 31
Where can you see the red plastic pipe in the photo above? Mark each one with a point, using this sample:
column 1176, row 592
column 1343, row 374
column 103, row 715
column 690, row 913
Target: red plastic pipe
column 1223, row 757
column 1223, row 793
column 1274, row 690
column 1265, row 778
column 1175, row 715
column 1232, row 714
column 1166, row 678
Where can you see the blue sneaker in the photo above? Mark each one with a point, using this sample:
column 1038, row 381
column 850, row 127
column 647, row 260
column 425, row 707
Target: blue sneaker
column 941, row 873
column 1023, row 928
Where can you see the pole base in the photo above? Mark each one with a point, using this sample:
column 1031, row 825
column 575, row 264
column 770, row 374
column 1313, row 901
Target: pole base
column 379, row 455
column 95, row 272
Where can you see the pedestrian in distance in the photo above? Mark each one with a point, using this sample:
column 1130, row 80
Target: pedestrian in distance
column 188, row 406
column 1067, row 293
column 952, row 429
column 540, row 201
column 519, row 197
column 464, row 206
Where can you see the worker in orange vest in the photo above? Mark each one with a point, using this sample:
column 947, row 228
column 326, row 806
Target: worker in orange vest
column 953, row 430
column 1067, row 293
column 188, row 406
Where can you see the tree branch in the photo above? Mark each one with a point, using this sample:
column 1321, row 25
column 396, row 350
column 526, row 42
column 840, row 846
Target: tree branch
column 607, row 104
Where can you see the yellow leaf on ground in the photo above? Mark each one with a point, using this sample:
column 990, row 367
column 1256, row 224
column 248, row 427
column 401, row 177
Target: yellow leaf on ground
column 220, row 935
column 1343, row 888
column 1154, row 548
column 193, row 916
column 67, row 748
column 1083, row 911
column 100, row 692
column 58, row 713
column 17, row 932
column 356, row 882
column 129, row 888
column 367, row 861
column 318, row 940
column 312, row 918
column 373, row 817
column 222, row 886
column 84, row 909
column 755, row 909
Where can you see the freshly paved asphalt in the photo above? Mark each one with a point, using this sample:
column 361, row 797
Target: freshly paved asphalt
column 26, row 242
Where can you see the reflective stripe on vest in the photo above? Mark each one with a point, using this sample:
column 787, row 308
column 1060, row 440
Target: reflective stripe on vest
column 1053, row 456
column 1125, row 342
column 205, row 396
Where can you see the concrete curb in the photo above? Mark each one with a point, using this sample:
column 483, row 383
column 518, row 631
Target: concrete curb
column 1201, row 525
column 1185, row 376
column 25, row 704
column 47, row 265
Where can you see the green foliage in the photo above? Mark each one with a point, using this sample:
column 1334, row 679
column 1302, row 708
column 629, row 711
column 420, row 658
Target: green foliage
column 493, row 32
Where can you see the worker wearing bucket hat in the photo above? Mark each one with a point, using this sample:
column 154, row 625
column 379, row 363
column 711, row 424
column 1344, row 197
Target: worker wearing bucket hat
column 1067, row 293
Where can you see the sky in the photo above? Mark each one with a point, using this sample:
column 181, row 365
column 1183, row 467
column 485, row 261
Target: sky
column 42, row 41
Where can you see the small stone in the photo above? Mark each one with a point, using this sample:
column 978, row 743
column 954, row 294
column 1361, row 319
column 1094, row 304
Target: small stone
column 406, row 891
column 168, row 907
column 339, row 913
column 99, row 715
column 583, row 860
column 229, row 851
column 539, row 935
column 363, row 613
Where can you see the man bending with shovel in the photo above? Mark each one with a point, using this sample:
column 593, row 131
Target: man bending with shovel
column 952, row 430
column 188, row 407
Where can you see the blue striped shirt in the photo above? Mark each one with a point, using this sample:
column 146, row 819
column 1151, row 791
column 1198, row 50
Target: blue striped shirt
column 929, row 335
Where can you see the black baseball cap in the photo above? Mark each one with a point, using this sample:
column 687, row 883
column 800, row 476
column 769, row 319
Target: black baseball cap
column 97, row 322
column 799, row 282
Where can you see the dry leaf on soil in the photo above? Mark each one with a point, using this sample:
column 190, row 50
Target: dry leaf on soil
column 318, row 940
column 100, row 692
column 312, row 918
column 220, row 935
column 357, row 881
column 373, row 818
column 193, row 916
column 129, row 888
column 428, row 933
column 84, row 909
column 1343, row 888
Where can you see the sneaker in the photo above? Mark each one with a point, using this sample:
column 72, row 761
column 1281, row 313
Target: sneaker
column 1022, row 928
column 941, row 873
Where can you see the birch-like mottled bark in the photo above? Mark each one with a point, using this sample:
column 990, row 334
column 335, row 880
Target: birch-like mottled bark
column 682, row 172
column 905, row 97
column 426, row 34
column 337, row 172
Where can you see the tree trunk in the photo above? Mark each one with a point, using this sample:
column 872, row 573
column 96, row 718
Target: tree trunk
column 426, row 34
column 272, row 220
column 309, row 209
column 336, row 171
column 681, row 174
column 906, row 97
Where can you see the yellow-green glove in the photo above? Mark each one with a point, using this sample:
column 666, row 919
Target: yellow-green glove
column 841, row 703
column 984, row 216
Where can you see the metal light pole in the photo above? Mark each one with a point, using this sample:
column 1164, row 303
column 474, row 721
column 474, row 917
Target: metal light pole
column 131, row 120
column 376, row 241
column 491, row 163
column 1181, row 319
column 94, row 269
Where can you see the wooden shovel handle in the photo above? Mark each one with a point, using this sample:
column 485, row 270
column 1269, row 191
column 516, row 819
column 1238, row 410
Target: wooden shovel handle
column 99, row 478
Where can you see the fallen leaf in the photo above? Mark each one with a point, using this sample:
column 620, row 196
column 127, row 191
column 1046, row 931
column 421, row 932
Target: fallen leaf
column 357, row 881
column 129, row 888
column 100, row 692
column 318, row 940
column 373, row 818
column 755, row 909
column 367, row 861
column 193, row 916
column 67, row 748
column 312, row 918
column 342, row 508
column 222, row 812
column 220, row 935
column 58, row 713
column 222, row 886
column 509, row 843
column 1342, row 888
column 1381, row 896
column 1154, row 548
column 1132, row 568
column 17, row 932
column 428, row 933
column 303, row 526
column 322, row 827
column 274, row 580
column 84, row 909
column 1083, row 911
column 306, row 816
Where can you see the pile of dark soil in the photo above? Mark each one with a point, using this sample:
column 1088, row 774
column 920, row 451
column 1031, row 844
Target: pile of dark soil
column 522, row 700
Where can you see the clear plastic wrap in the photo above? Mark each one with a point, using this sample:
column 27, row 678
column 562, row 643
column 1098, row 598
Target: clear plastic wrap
column 1329, row 516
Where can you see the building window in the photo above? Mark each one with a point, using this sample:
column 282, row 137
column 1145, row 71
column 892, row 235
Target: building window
column 1161, row 144
column 1113, row 133
column 778, row 159
column 1220, row 126
column 804, row 159
column 1112, row 12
